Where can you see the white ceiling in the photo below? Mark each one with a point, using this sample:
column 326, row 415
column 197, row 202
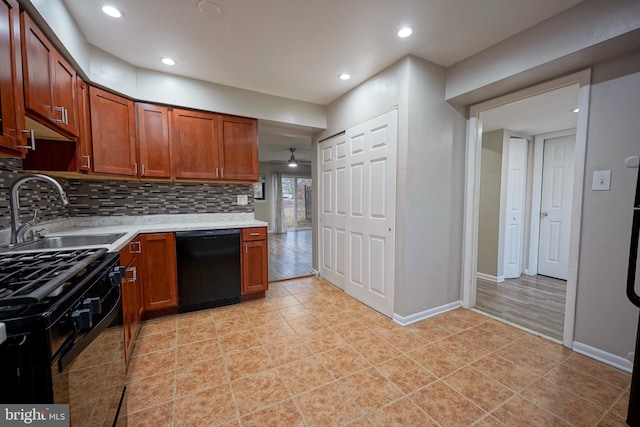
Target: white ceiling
column 297, row 48
column 544, row 113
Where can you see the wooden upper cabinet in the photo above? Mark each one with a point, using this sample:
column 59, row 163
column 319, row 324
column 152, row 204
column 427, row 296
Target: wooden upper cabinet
column 113, row 131
column 64, row 95
column 194, row 144
column 49, row 81
column 153, row 141
column 11, row 97
column 84, row 160
column 238, row 159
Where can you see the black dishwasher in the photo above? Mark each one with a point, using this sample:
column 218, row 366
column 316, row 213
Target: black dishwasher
column 208, row 268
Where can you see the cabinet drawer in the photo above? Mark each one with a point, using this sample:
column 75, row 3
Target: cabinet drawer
column 257, row 233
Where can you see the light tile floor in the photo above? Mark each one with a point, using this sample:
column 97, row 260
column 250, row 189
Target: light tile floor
column 308, row 355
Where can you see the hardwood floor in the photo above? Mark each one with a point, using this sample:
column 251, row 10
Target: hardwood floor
column 535, row 302
column 289, row 255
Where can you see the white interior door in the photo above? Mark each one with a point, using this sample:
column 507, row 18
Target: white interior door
column 370, row 211
column 332, row 156
column 516, row 157
column 555, row 211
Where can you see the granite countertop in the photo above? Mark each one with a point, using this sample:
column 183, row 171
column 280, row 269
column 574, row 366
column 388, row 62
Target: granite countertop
column 131, row 226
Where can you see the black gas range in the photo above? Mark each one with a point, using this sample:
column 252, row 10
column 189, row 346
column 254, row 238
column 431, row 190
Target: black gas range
column 59, row 307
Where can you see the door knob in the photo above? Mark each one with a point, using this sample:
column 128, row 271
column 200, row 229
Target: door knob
column 544, row 214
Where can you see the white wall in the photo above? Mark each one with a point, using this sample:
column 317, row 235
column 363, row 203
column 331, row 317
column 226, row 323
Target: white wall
column 430, row 174
column 592, row 31
column 605, row 319
column 432, row 190
column 489, row 208
column 104, row 69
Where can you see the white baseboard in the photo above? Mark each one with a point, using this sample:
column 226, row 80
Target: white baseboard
column 490, row 278
column 602, row 356
column 315, row 273
column 416, row 317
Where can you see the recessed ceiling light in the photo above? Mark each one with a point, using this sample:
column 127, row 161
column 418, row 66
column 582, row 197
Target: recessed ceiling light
column 112, row 11
column 405, row 32
column 168, row 61
column 344, row 76
column 209, row 8
column 575, row 110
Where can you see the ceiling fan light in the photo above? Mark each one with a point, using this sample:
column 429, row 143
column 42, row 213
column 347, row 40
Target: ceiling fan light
column 292, row 161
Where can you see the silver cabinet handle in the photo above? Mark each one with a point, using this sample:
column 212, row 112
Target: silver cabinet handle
column 142, row 171
column 134, row 274
column 246, row 248
column 254, row 234
column 88, row 166
column 65, row 113
column 216, row 172
column 222, row 172
column 135, row 169
column 138, row 247
column 61, row 109
column 32, row 137
column 544, row 214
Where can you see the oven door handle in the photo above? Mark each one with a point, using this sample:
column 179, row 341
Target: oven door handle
column 69, row 356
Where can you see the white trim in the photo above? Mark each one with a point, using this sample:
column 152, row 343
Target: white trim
column 416, row 317
column 602, row 356
column 472, row 189
column 471, row 205
column 576, row 207
column 315, row 273
column 490, row 278
column 536, row 201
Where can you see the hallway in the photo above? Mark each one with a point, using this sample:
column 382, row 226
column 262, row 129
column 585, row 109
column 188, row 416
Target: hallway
column 534, row 302
column 289, row 255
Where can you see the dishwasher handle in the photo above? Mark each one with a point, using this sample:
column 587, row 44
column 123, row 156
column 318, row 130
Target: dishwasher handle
column 207, row 233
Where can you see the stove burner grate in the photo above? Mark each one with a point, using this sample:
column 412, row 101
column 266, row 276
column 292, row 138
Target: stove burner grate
column 29, row 277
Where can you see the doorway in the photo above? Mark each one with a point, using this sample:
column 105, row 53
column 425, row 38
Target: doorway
column 515, row 112
column 290, row 251
column 296, row 202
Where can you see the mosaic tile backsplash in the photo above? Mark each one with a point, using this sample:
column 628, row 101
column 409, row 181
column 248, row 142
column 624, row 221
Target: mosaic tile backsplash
column 114, row 197
column 33, row 195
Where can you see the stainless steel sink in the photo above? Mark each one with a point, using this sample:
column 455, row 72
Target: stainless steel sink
column 56, row 242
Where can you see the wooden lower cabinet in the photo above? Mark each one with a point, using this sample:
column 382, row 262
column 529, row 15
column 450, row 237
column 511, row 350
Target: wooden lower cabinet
column 132, row 304
column 159, row 277
column 254, row 260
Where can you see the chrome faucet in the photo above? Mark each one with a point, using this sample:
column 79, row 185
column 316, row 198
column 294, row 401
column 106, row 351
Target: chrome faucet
column 19, row 230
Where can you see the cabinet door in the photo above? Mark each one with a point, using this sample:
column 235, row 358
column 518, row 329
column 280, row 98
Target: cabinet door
column 84, row 128
column 113, row 131
column 194, row 144
column 153, row 141
column 238, row 158
column 128, row 298
column 11, row 98
column 64, row 95
column 37, row 56
column 159, row 282
column 255, row 276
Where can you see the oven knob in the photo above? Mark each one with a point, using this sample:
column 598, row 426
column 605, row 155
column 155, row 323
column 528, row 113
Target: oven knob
column 117, row 274
column 81, row 318
column 93, row 304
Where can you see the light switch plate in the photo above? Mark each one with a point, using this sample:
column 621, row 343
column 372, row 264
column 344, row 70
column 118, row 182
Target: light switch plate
column 242, row 199
column 601, row 180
